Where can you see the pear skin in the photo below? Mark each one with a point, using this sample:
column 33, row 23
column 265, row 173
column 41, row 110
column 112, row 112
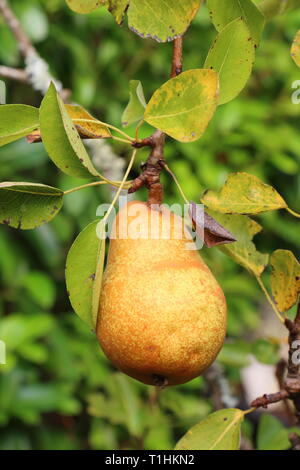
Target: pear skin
column 162, row 314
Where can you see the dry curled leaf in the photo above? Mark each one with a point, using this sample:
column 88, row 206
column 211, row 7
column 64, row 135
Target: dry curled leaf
column 207, row 227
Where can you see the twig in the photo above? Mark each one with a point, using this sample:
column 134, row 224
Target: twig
column 265, row 400
column 11, row 73
column 36, row 71
column 14, row 24
column 177, row 57
column 150, row 176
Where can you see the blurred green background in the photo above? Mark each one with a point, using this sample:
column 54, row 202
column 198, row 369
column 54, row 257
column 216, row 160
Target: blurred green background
column 57, row 390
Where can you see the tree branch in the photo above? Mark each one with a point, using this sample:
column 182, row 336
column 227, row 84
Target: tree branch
column 11, row 73
column 177, row 57
column 12, row 21
column 36, row 71
column 291, row 384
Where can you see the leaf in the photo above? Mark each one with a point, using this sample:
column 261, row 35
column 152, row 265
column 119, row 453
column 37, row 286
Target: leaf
column 265, row 351
column 184, row 105
column 208, row 228
column 136, row 107
column 2, row 92
column 219, row 431
column 160, row 20
column 16, row 121
column 244, row 194
column 118, row 8
column 226, row 11
column 85, row 6
column 243, row 251
column 271, row 8
column 232, row 57
column 40, row 287
column 60, row 138
column 272, row 435
column 87, row 126
column 28, row 205
column 295, row 50
column 285, row 279
column 98, row 272
column 84, row 271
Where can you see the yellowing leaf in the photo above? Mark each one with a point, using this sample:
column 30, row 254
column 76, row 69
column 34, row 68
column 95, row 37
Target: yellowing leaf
column 87, row 126
column 295, row 50
column 243, row 251
column 219, row 431
column 232, row 57
column 184, row 105
column 85, row 6
column 244, row 194
column 160, row 20
column 285, row 279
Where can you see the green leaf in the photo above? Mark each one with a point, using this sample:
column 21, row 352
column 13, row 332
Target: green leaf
column 244, row 194
column 285, row 279
column 84, row 273
column 184, row 105
column 271, row 8
column 2, row 92
column 219, row 431
column 136, row 107
column 272, row 435
column 265, row 351
column 28, row 205
column 99, row 271
column 243, row 251
column 16, row 121
column 122, row 406
column 225, row 11
column 85, row 6
column 295, row 49
column 117, row 8
column 61, row 139
column 232, row 57
column 87, row 126
column 40, row 287
column 235, row 354
column 159, row 20
column 18, row 329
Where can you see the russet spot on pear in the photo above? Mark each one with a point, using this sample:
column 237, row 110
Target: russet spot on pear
column 162, row 315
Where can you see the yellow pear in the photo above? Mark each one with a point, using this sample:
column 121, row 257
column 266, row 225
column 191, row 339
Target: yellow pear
column 162, row 315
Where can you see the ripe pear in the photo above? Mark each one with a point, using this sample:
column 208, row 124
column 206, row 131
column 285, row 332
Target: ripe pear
column 162, row 314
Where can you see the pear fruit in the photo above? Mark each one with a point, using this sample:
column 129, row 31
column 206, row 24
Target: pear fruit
column 162, row 314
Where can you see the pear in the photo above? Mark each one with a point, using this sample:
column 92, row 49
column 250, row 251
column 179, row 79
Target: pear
column 162, row 314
